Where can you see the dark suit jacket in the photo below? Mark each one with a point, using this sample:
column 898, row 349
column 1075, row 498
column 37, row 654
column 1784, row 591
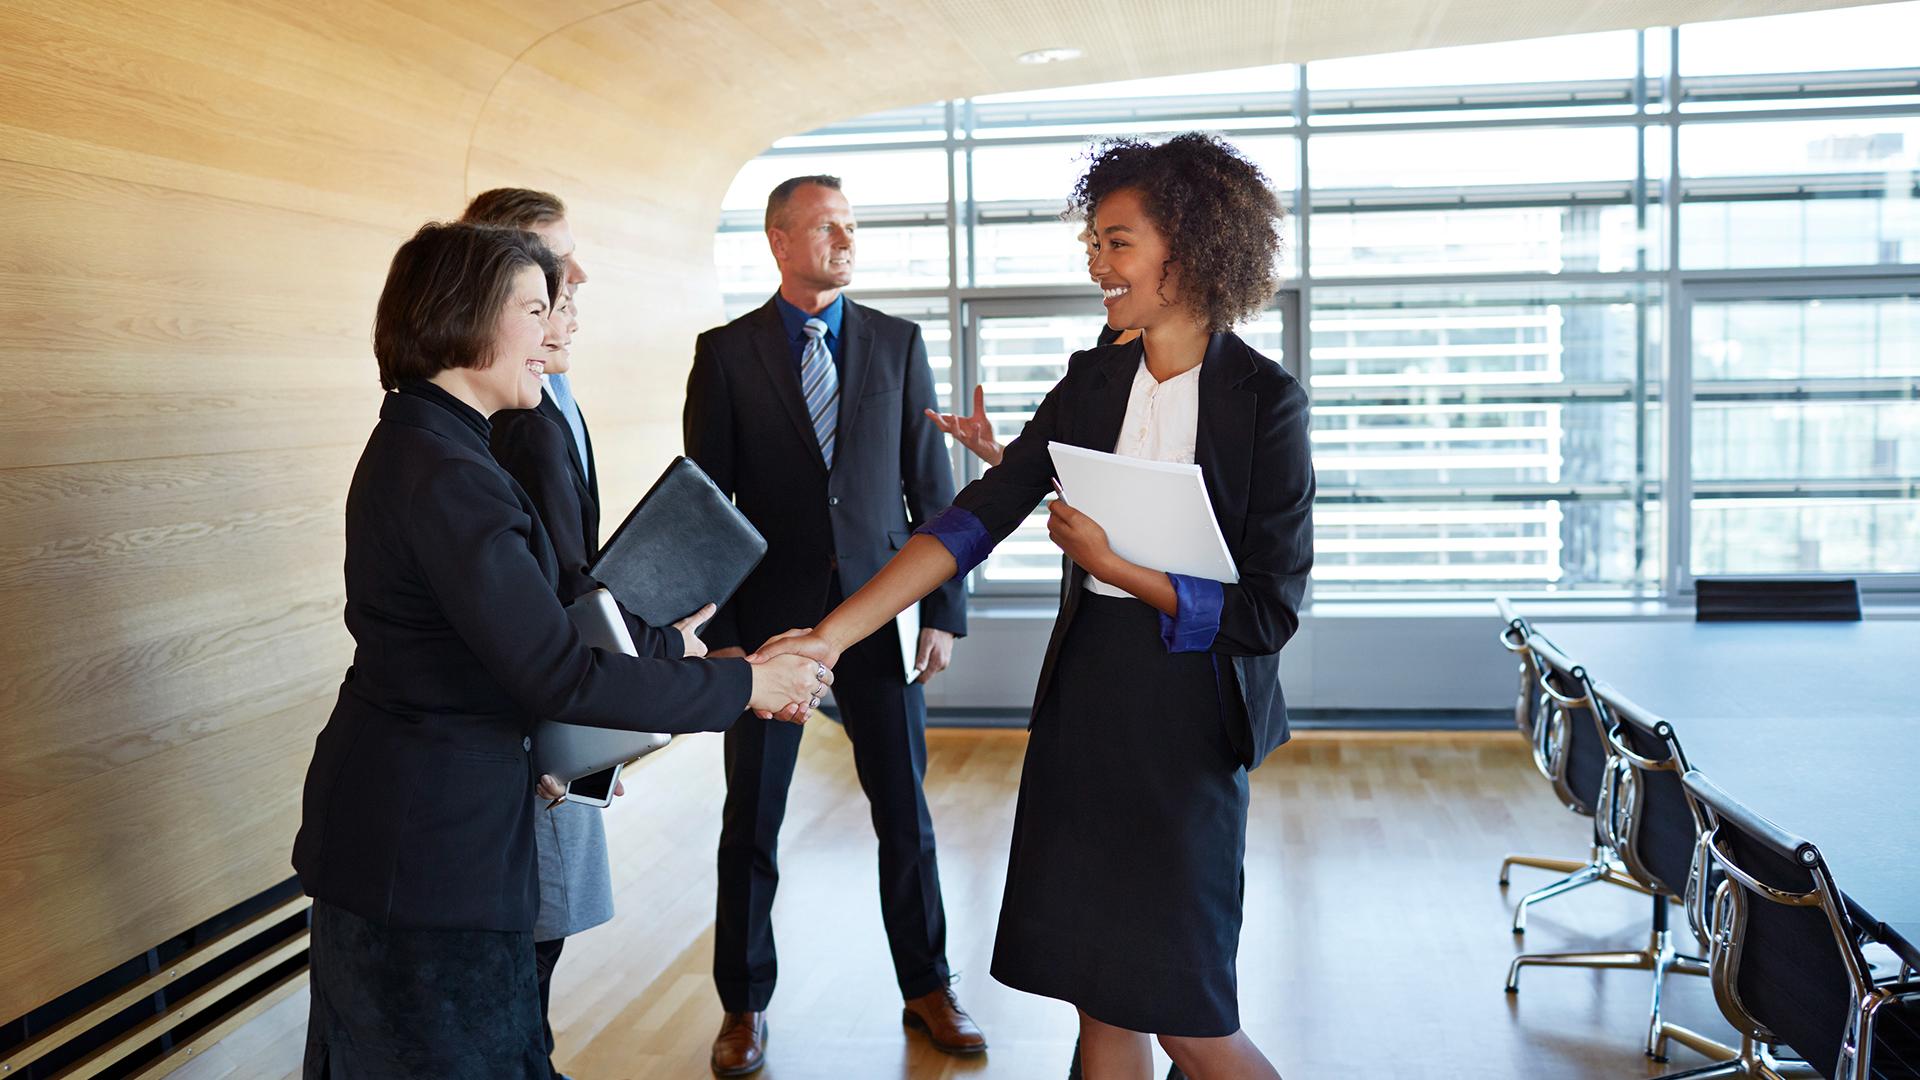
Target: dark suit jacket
column 1252, row 449
column 418, row 808
column 747, row 426
column 538, row 451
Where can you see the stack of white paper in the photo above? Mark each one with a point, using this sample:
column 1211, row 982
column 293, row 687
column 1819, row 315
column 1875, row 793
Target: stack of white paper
column 1156, row 513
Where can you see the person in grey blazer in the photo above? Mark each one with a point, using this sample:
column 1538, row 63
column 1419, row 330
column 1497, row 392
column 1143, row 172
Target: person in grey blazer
column 546, row 449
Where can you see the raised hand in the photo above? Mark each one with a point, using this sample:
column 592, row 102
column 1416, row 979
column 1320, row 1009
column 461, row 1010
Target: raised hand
column 974, row 432
column 788, row 687
column 692, row 648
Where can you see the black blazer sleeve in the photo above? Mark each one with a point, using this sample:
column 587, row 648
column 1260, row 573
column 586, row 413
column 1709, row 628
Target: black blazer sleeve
column 926, row 473
column 471, row 538
column 707, row 427
column 1005, row 494
column 1261, row 613
column 533, row 450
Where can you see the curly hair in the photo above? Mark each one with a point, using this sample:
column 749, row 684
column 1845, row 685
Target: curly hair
column 1220, row 218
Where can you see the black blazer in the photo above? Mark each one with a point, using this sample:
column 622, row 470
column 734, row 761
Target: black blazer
column 538, row 451
column 747, row 426
column 418, row 807
column 1252, row 448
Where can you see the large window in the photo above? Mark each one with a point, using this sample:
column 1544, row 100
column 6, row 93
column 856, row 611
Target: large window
column 1502, row 264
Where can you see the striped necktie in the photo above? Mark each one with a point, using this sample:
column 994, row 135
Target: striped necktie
column 820, row 386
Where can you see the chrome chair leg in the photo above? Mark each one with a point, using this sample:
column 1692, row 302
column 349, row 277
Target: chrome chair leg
column 1538, row 862
column 1753, row 1060
column 1622, row 961
column 1587, row 874
column 1596, row 868
column 1668, row 959
column 1736, row 1067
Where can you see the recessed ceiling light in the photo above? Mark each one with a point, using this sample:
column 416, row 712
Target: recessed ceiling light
column 1049, row 56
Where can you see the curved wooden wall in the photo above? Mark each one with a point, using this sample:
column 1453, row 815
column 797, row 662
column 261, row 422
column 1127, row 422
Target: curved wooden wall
column 199, row 203
column 199, row 199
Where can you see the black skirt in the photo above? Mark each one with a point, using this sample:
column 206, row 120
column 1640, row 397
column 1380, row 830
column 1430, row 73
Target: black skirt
column 1123, row 885
column 393, row 1004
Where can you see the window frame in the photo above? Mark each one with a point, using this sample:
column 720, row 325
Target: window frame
column 1656, row 100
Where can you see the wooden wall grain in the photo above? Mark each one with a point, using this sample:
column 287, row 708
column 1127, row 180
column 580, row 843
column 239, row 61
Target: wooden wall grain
column 197, row 203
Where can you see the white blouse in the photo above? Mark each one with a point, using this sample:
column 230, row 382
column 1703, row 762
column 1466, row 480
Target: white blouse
column 1162, row 421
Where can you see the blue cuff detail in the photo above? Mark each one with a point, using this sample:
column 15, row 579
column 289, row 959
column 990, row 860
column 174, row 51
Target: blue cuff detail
column 1196, row 621
column 963, row 536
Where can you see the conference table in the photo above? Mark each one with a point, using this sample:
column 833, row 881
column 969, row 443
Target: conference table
column 1812, row 725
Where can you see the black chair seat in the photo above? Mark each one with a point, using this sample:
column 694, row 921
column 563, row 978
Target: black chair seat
column 1776, row 599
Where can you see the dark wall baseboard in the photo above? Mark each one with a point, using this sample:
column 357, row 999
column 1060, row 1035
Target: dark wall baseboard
column 1300, row 719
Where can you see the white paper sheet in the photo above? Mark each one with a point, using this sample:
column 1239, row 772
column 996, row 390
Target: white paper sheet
column 1156, row 513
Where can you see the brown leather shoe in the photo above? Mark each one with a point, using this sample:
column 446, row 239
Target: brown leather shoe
column 947, row 1025
column 741, row 1046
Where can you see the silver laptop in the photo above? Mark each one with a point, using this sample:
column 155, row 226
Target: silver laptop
column 571, row 751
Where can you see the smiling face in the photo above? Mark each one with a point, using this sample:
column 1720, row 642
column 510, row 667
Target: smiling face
column 511, row 377
column 1137, row 285
column 813, row 240
column 561, row 324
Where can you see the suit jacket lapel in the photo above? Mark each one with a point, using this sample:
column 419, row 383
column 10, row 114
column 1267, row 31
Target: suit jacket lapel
column 592, row 475
column 776, row 360
column 551, row 410
column 1098, row 426
column 1223, row 443
column 856, row 350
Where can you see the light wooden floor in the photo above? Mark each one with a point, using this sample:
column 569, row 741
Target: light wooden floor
column 1375, row 941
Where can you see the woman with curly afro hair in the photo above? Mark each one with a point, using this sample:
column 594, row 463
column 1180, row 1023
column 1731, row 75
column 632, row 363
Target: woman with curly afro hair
column 1158, row 691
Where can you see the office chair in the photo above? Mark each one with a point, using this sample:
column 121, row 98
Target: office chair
column 1786, row 958
column 1718, row 599
column 1571, row 753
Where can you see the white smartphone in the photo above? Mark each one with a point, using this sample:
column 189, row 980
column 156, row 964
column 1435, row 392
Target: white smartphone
column 594, row 789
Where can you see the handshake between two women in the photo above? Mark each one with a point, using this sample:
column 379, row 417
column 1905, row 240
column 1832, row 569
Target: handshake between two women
column 788, row 684
column 801, row 650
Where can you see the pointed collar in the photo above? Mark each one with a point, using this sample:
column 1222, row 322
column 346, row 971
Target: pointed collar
column 794, row 321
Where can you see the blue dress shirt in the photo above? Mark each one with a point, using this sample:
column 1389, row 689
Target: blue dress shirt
column 795, row 322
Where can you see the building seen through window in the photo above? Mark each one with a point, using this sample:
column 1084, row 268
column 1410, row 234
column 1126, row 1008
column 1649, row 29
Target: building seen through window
column 1594, row 314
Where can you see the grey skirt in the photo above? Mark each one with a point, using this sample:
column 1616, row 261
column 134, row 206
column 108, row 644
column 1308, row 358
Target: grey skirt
column 576, row 887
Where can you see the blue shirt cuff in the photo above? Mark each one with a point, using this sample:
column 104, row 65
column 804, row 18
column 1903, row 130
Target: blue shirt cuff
column 1196, row 619
column 963, row 536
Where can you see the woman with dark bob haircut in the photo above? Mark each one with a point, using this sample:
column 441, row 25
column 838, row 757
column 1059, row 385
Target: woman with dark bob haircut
column 1159, row 691
column 416, row 833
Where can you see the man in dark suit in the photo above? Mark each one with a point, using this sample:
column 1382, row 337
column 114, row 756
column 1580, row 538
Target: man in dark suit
column 546, row 216
column 809, row 412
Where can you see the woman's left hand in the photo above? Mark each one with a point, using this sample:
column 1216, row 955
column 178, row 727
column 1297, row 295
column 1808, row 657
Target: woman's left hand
column 1081, row 537
column 691, row 647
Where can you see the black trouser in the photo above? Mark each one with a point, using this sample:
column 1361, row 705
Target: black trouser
column 546, row 956
column 885, row 720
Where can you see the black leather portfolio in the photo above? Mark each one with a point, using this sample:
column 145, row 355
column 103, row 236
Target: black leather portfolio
column 683, row 546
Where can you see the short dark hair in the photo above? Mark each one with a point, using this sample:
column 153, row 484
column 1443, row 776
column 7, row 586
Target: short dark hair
column 514, row 208
column 444, row 290
column 1220, row 217
column 782, row 192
